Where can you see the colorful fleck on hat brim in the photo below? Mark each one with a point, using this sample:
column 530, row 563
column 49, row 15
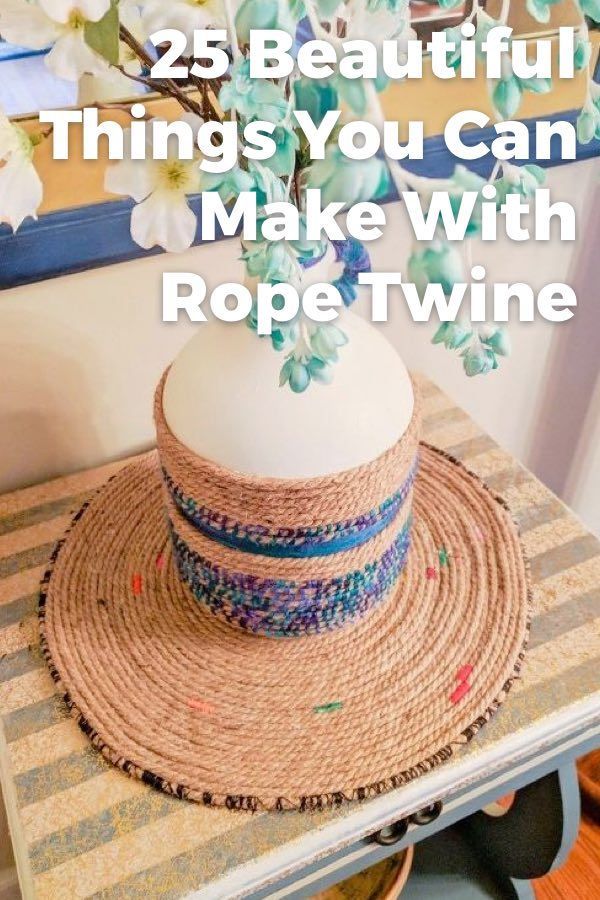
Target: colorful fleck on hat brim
column 174, row 695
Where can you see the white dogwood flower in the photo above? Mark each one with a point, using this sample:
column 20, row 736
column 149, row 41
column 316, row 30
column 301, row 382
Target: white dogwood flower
column 131, row 17
column 119, row 85
column 60, row 23
column 183, row 15
column 162, row 216
column 20, row 185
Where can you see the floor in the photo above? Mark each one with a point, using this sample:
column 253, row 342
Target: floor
column 579, row 878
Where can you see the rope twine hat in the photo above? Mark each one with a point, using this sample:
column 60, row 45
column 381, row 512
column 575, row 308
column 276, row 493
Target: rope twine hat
column 285, row 644
column 284, row 557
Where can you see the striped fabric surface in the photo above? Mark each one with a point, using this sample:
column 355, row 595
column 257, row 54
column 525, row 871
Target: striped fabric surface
column 83, row 829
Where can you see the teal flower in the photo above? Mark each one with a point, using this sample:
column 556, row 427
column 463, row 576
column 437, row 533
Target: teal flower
column 449, row 4
column 299, row 372
column 284, row 335
column 464, row 180
column 325, row 340
column 269, row 188
column 454, row 36
column 271, row 262
column 535, row 85
column 477, row 360
column 440, row 263
column 257, row 178
column 315, row 97
column 591, row 8
column 252, row 98
column 320, row 371
column 452, row 335
column 328, row 7
column 540, row 9
column 348, row 181
column 498, row 341
column 478, row 348
column 276, row 261
column 296, row 374
column 506, row 95
column 283, row 161
column 583, row 49
column 267, row 14
column 522, row 180
column 304, row 248
column 588, row 122
column 228, row 185
column 353, row 92
column 393, row 6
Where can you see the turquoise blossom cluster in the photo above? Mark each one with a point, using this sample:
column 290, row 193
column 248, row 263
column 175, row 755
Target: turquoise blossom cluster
column 507, row 92
column 588, row 121
column 314, row 361
column 111, row 38
column 441, row 263
column 541, row 9
column 479, row 348
column 310, row 351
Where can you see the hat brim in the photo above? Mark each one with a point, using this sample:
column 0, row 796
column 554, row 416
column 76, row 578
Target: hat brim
column 197, row 708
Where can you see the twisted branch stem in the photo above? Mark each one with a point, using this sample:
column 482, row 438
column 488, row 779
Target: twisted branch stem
column 168, row 86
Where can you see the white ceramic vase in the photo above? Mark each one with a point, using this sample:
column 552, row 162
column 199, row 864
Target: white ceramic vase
column 222, row 399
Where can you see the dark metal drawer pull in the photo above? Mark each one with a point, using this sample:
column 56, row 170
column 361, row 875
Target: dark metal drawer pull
column 427, row 814
column 391, row 834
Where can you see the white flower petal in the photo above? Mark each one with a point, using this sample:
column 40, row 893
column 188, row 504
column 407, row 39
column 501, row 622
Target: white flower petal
column 70, row 58
column 26, row 25
column 21, row 192
column 182, row 15
column 60, row 10
column 9, row 141
column 93, row 10
column 164, row 219
column 131, row 17
column 131, row 177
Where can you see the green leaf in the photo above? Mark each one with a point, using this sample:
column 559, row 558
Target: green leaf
column 103, row 36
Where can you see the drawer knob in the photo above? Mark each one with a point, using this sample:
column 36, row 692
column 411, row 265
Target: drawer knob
column 427, row 814
column 391, row 834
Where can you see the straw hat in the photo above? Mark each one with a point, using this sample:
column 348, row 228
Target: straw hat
column 286, row 643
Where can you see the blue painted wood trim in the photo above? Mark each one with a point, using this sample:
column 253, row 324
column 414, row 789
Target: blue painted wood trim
column 74, row 240
column 11, row 51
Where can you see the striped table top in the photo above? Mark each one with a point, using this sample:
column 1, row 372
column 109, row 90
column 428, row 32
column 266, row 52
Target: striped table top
column 81, row 828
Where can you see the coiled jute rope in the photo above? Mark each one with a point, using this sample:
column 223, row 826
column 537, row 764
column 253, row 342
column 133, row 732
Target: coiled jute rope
column 183, row 695
column 287, row 557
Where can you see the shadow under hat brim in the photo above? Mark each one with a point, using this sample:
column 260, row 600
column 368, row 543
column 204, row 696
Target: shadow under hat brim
column 179, row 698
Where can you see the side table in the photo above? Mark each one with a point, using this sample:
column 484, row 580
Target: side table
column 80, row 828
